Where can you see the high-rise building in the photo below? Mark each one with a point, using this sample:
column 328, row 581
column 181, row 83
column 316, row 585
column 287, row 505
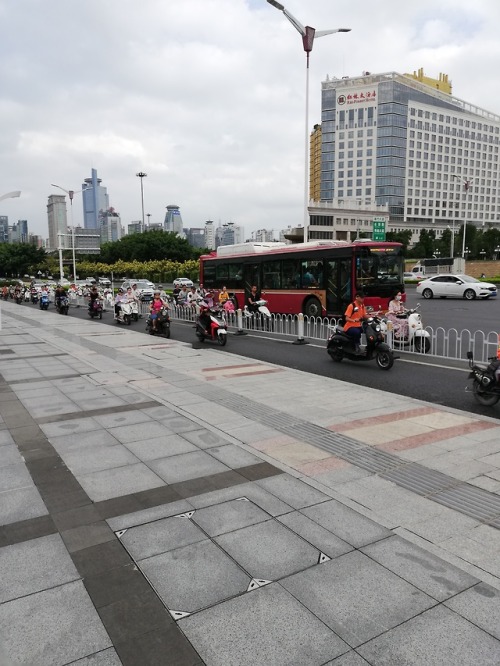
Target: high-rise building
column 403, row 142
column 229, row 234
column 209, row 235
column 263, row 236
column 58, row 222
column 195, row 236
column 94, row 199
column 18, row 233
column 4, row 229
column 173, row 220
column 315, row 164
column 110, row 225
column 134, row 228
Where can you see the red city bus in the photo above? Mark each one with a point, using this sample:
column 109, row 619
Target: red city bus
column 317, row 278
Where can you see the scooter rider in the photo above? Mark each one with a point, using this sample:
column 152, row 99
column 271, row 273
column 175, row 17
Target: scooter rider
column 204, row 317
column 255, row 295
column 120, row 296
column 354, row 315
column 396, row 307
column 157, row 305
column 94, row 295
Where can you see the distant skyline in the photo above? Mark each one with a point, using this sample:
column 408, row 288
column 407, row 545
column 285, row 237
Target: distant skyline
column 205, row 96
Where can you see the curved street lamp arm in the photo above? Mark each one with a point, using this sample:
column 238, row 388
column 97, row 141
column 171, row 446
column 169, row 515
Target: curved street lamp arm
column 10, row 195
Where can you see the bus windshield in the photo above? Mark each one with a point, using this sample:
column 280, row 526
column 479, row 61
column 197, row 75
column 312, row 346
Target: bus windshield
column 379, row 270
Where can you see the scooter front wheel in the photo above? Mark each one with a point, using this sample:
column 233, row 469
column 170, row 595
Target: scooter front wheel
column 384, row 359
column 222, row 339
column 336, row 355
column 167, row 331
column 484, row 397
column 422, row 345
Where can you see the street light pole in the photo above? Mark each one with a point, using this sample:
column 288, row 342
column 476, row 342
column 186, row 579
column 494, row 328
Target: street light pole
column 466, row 184
column 308, row 36
column 142, row 175
column 71, row 194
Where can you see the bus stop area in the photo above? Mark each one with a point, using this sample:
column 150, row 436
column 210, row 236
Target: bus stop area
column 166, row 504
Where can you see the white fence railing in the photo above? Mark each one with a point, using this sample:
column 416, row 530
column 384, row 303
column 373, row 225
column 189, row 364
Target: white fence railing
column 444, row 343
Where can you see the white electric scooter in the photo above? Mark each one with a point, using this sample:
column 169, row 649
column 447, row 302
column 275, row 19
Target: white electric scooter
column 261, row 315
column 125, row 314
column 416, row 338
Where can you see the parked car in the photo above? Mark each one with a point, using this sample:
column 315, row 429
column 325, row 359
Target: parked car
column 446, row 285
column 104, row 282
column 412, row 275
column 145, row 288
column 183, row 282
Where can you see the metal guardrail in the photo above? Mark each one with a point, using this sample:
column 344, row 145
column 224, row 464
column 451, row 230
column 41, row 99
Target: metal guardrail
column 450, row 343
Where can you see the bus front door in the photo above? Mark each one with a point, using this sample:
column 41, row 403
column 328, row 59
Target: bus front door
column 251, row 276
column 338, row 288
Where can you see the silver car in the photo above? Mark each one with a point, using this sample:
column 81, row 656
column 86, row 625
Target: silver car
column 446, row 285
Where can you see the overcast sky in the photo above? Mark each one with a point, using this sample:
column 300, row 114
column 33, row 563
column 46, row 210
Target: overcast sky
column 206, row 96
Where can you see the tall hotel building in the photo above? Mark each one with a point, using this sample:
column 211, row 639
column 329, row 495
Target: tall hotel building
column 402, row 147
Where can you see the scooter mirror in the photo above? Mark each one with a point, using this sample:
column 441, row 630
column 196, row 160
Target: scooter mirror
column 470, row 355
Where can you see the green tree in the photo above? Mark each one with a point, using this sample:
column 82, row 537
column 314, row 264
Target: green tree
column 18, row 259
column 426, row 244
column 148, row 246
column 403, row 237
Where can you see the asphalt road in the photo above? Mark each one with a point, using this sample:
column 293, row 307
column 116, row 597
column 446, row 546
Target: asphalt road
column 416, row 378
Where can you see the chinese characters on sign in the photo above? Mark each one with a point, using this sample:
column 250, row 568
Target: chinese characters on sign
column 378, row 229
column 357, row 98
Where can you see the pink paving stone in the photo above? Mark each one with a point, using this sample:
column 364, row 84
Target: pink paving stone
column 218, row 368
column 383, row 418
column 322, row 466
column 434, row 436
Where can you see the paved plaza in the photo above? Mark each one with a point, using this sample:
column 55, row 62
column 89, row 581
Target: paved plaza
column 162, row 504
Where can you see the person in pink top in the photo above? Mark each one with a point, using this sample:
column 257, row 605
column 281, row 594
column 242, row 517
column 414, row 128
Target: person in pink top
column 157, row 304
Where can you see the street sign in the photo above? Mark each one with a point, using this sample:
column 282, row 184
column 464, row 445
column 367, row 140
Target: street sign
column 378, row 229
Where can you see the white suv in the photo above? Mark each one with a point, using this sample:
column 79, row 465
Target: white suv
column 145, row 289
column 183, row 282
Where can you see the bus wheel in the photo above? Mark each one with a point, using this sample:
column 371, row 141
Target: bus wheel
column 312, row 308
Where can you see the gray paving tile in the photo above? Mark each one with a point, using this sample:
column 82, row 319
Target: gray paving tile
column 33, row 566
column 69, row 427
column 122, row 419
column 294, row 492
column 119, row 481
column 194, row 577
column 429, row 573
column 95, row 458
column 325, row 541
column 56, row 626
column 186, row 466
column 357, row 597
column 161, row 536
column 349, row 659
column 248, row 631
column 269, row 550
column 15, row 476
column 481, row 606
column 21, row 504
column 229, row 516
column 149, row 515
column 10, row 455
column 251, row 490
column 205, row 439
column 347, row 524
column 438, row 636
column 234, row 456
column 160, row 447
column 159, row 412
column 138, row 432
column 81, row 441
column 105, row 658
column 5, row 438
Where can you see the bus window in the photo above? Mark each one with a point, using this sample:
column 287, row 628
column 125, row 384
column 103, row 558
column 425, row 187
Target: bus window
column 234, row 276
column 379, row 270
column 271, row 274
column 312, row 273
column 209, row 275
column 290, row 274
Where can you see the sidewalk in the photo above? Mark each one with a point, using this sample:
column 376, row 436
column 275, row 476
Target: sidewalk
column 162, row 504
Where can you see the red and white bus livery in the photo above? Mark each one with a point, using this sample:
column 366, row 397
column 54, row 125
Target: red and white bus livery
column 318, row 278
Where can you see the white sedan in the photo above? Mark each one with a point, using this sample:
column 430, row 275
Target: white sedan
column 455, row 286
